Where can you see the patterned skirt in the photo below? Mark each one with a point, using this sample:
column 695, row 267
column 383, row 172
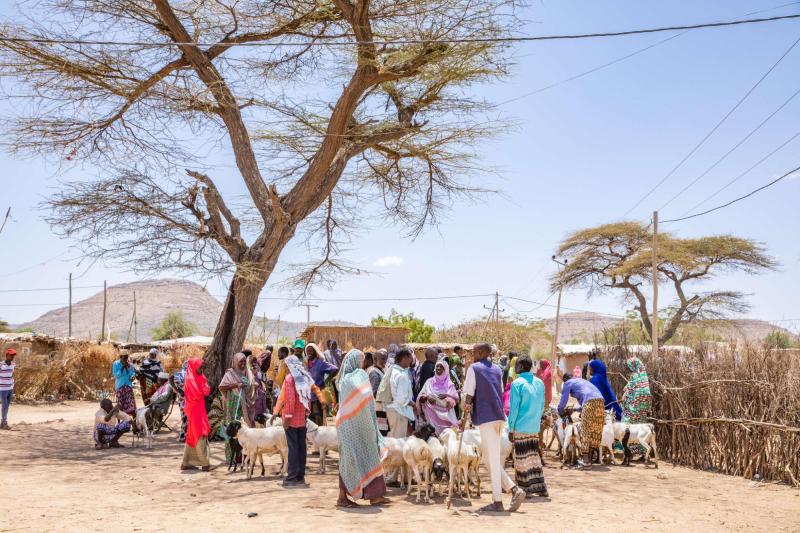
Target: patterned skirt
column 105, row 433
column 527, row 463
column 197, row 456
column 125, row 400
column 592, row 420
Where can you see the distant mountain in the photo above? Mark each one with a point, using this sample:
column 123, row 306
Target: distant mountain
column 154, row 300
column 584, row 326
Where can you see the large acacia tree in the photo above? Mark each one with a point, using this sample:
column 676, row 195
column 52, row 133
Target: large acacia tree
column 618, row 257
column 351, row 101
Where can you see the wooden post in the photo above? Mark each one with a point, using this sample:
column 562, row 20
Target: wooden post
column 69, row 328
column 135, row 320
column 554, row 346
column 105, row 305
column 654, row 328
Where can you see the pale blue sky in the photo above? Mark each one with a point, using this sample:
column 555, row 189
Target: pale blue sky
column 584, row 152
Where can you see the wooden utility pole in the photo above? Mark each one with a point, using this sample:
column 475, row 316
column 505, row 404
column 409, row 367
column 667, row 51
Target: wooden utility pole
column 308, row 312
column 69, row 328
column 494, row 311
column 554, row 345
column 654, row 324
column 105, row 305
column 135, row 320
column 264, row 329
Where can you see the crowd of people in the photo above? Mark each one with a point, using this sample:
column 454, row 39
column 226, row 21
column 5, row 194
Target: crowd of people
column 386, row 393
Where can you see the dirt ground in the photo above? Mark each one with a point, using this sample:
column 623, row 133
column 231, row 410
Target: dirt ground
column 54, row 480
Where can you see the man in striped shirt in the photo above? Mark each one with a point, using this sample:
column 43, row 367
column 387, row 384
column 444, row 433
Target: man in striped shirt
column 7, row 384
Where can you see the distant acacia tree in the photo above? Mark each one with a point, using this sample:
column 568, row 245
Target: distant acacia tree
column 4, row 327
column 174, row 326
column 619, row 257
column 419, row 331
column 352, row 101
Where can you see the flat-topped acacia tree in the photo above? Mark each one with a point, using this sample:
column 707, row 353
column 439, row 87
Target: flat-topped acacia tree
column 325, row 105
column 618, row 257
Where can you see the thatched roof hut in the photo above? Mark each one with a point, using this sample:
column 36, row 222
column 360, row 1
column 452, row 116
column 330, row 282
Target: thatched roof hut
column 360, row 337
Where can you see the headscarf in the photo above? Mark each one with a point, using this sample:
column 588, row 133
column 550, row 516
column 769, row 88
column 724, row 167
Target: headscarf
column 545, row 373
column 637, row 399
column 316, row 349
column 512, row 370
column 361, row 444
column 507, row 399
column 235, row 376
column 600, row 380
column 302, row 379
column 441, row 383
column 438, row 415
column 264, row 357
column 195, row 391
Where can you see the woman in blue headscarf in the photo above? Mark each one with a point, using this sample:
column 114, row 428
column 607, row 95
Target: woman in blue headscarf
column 600, row 380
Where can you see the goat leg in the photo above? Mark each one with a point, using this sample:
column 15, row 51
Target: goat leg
column 627, row 451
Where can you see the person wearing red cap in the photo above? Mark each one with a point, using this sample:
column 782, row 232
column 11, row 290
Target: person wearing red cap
column 7, row 384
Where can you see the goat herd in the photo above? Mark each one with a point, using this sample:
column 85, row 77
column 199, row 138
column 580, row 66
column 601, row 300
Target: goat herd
column 426, row 459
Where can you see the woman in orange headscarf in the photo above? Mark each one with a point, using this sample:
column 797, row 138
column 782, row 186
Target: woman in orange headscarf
column 195, row 451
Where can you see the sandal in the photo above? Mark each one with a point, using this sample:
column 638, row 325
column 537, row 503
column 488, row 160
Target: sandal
column 347, row 504
column 492, row 508
column 380, row 501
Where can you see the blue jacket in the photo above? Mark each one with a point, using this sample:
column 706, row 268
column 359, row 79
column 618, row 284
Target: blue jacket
column 527, row 404
column 122, row 377
column 600, row 380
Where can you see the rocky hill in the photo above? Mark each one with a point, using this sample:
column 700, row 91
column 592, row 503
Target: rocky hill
column 582, row 327
column 154, row 299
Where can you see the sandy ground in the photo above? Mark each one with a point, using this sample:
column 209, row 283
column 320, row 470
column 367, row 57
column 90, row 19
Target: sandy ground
column 54, row 480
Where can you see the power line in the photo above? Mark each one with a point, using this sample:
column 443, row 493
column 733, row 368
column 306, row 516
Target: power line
column 709, row 134
column 737, row 178
column 729, row 152
column 332, row 43
column 590, row 71
column 623, row 58
column 541, row 304
column 751, row 193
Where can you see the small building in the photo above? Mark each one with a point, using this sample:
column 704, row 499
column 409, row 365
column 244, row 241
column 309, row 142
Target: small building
column 361, row 337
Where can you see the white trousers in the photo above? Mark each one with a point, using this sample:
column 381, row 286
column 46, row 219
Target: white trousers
column 398, row 424
column 491, row 435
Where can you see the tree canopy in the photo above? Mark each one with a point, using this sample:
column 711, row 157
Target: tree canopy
column 322, row 106
column 174, row 326
column 619, row 256
column 419, row 331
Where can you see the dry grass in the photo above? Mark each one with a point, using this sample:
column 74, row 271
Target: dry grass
column 79, row 371
column 735, row 411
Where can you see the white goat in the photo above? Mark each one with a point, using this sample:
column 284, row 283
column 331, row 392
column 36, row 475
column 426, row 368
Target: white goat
column 392, row 459
column 146, row 418
column 419, row 458
column 643, row 434
column 607, row 437
column 459, row 464
column 571, row 443
column 473, row 454
column 322, row 439
column 258, row 441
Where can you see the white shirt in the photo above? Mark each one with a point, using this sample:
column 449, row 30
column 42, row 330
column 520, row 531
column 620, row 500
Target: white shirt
column 6, row 375
column 402, row 395
column 469, row 382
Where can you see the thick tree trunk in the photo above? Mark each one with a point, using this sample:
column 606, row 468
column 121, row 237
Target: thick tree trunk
column 234, row 321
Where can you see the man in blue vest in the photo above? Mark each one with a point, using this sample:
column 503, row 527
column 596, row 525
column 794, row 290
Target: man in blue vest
column 483, row 386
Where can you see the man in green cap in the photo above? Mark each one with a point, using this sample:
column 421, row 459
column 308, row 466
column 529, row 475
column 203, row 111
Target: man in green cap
column 298, row 348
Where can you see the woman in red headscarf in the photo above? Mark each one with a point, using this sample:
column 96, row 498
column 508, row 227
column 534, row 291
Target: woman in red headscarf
column 195, row 452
